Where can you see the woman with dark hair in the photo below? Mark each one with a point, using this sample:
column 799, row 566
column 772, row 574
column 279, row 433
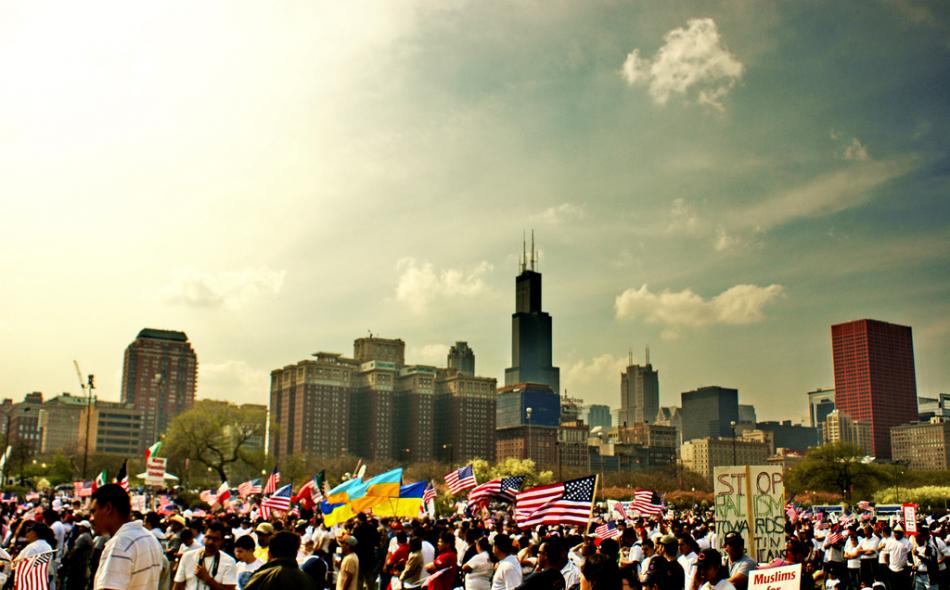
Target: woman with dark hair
column 412, row 572
column 40, row 539
column 600, row 572
column 711, row 572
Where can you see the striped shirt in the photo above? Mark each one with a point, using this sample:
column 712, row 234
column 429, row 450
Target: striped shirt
column 131, row 560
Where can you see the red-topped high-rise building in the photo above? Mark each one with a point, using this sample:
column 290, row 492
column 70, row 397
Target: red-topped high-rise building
column 874, row 377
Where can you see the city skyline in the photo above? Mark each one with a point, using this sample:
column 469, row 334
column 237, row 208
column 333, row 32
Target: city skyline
column 372, row 167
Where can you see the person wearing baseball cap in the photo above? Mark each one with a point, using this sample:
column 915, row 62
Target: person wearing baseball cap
column 75, row 561
column 738, row 562
column 264, row 532
column 711, row 572
column 674, row 573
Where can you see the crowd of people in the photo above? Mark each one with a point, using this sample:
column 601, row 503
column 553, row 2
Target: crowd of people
column 100, row 543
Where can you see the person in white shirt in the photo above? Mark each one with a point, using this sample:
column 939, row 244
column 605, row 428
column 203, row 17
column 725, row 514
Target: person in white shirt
column 507, row 571
column 132, row 558
column 207, row 568
column 687, row 560
column 711, row 572
column 478, row 569
column 852, row 554
column 868, row 550
column 896, row 554
column 247, row 562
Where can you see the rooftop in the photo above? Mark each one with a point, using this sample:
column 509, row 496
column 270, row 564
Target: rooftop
column 163, row 335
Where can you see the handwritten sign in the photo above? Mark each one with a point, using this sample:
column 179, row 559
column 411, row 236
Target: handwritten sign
column 155, row 471
column 909, row 512
column 787, row 577
column 750, row 500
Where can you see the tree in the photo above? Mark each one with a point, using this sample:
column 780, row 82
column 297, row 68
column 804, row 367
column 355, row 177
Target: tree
column 838, row 468
column 218, row 435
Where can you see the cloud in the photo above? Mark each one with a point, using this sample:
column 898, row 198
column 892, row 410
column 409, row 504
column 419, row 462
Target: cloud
column 683, row 218
column 856, row 151
column 741, row 304
column 596, row 378
column 725, row 241
column 225, row 289
column 234, row 381
column 428, row 354
column 691, row 64
column 563, row 213
column 825, row 195
column 420, row 284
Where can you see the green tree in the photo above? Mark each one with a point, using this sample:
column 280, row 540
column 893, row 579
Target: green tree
column 838, row 468
column 217, row 435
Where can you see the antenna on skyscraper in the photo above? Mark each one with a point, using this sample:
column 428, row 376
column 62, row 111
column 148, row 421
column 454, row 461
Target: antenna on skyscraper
column 647, row 359
column 629, row 357
column 533, row 254
column 524, row 252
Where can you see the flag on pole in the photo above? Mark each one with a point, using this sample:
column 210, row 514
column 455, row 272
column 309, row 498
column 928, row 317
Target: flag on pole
column 568, row 502
column 648, row 503
column 100, row 481
column 608, row 530
column 272, row 481
column 279, row 500
column 250, row 487
column 504, row 489
column 429, row 494
column 152, row 451
column 32, row 573
column 122, row 477
column 461, row 479
column 222, row 495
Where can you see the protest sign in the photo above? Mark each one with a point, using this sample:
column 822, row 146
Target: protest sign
column 909, row 512
column 750, row 500
column 155, row 471
column 777, row 578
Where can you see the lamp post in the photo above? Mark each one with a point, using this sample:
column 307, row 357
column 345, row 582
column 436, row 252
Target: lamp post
column 732, row 424
column 451, row 449
column 85, row 449
column 528, row 411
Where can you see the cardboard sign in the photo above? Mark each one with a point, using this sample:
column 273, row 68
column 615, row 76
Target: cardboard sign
column 787, row 577
column 155, row 471
column 750, row 500
column 909, row 512
column 138, row 503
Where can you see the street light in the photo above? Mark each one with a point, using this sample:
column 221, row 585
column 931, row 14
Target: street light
column 732, row 424
column 451, row 449
column 528, row 411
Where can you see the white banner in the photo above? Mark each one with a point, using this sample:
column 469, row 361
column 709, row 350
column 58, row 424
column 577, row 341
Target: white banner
column 155, row 471
column 777, row 578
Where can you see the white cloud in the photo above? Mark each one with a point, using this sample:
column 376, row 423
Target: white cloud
column 428, row 354
column 227, row 289
column 691, row 63
column 724, row 240
column 741, row 304
column 234, row 381
column 824, row 195
column 856, row 151
column 596, row 378
column 683, row 218
column 563, row 213
column 420, row 283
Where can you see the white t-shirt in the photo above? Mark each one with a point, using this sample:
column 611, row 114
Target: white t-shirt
column 572, row 575
column 225, row 573
column 244, row 571
column 428, row 556
column 480, row 576
column 507, row 574
column 899, row 552
column 131, row 560
column 688, row 563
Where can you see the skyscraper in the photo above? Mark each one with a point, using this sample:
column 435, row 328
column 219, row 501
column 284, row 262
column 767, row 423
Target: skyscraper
column 531, row 331
column 821, row 402
column 639, row 394
column 708, row 411
column 461, row 358
column 599, row 415
column 874, row 377
column 159, row 377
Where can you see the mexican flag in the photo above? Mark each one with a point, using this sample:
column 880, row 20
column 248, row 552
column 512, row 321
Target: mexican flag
column 101, row 480
column 152, row 451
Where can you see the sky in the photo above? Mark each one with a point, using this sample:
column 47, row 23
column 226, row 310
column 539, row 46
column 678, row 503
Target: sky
column 720, row 182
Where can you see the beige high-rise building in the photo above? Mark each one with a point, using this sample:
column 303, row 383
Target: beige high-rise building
column 701, row 455
column 114, row 428
column 838, row 427
column 660, row 440
column 923, row 445
column 465, row 417
column 61, row 423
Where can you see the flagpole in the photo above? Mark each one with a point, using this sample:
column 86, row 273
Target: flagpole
column 593, row 498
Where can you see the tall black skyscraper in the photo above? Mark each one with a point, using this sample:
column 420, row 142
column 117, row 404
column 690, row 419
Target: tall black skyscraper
column 531, row 331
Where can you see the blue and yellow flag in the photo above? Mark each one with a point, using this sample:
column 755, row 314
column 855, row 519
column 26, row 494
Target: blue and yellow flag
column 407, row 505
column 375, row 490
column 342, row 493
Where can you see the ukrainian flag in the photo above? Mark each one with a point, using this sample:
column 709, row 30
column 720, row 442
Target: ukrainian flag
column 341, row 493
column 408, row 504
column 375, row 490
column 336, row 513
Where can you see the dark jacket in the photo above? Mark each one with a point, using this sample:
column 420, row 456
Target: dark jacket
column 280, row 574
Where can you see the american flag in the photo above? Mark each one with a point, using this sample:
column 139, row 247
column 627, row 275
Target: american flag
column 207, row 496
column 86, row 490
column 250, row 487
column 32, row 573
column 864, row 505
column 31, row 496
column 271, row 486
column 77, row 488
column 647, row 503
column 504, row 489
column 608, row 530
column 461, row 479
column 835, row 537
column 429, row 494
column 279, row 500
column 556, row 503
column 10, row 498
